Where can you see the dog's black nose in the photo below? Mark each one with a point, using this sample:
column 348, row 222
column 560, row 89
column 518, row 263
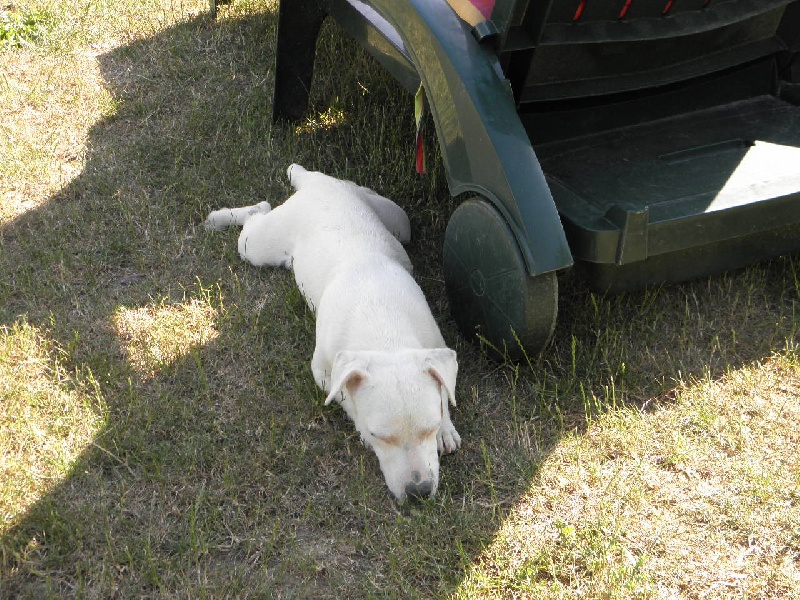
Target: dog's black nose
column 419, row 491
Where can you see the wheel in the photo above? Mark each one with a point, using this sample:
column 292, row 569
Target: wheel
column 492, row 296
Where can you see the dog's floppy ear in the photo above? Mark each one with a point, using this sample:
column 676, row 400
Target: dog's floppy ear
column 349, row 371
column 441, row 364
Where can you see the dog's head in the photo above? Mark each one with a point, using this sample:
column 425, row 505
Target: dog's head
column 397, row 401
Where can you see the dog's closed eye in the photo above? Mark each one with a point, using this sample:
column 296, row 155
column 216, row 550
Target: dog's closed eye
column 392, row 440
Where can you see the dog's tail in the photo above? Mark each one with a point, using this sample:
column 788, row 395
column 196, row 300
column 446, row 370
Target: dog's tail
column 225, row 217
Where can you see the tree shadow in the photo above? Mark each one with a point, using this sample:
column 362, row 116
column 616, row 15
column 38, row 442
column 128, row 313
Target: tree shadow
column 217, row 469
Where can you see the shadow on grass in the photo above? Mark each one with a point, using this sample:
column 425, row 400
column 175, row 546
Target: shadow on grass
column 220, row 472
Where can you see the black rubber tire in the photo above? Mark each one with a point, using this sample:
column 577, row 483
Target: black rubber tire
column 492, row 296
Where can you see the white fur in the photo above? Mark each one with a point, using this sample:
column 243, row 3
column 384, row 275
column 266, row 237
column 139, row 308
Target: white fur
column 378, row 349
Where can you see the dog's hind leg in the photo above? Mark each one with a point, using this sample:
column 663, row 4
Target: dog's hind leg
column 267, row 240
column 225, row 217
column 392, row 216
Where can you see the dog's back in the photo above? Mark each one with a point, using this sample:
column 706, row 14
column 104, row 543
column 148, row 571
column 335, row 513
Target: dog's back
column 372, row 303
column 332, row 228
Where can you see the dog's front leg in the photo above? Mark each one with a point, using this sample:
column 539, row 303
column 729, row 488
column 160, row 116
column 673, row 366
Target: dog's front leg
column 447, row 439
column 321, row 373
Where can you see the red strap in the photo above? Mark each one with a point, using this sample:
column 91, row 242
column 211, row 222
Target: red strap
column 419, row 115
column 421, row 166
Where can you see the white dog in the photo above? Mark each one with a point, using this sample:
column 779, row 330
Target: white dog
column 378, row 349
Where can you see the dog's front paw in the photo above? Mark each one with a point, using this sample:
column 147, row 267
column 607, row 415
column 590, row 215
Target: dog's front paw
column 448, row 440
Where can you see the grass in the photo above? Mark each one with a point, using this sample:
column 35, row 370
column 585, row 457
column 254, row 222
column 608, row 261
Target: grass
column 161, row 434
column 19, row 29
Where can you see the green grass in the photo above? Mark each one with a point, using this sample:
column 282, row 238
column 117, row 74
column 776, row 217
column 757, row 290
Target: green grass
column 161, row 434
column 18, row 29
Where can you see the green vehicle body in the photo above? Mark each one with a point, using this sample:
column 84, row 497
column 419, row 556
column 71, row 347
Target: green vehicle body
column 646, row 141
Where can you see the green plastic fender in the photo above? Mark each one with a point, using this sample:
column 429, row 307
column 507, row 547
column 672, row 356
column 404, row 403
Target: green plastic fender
column 484, row 145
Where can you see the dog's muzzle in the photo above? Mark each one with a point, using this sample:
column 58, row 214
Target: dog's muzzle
column 417, row 489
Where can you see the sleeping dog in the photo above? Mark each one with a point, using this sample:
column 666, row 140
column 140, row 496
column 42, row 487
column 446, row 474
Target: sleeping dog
column 378, row 349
